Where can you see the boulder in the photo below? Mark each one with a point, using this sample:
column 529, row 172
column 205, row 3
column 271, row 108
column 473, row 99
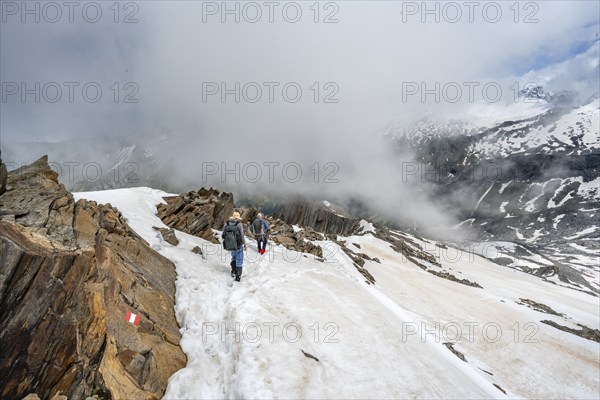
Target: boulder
column 168, row 235
column 70, row 273
column 197, row 250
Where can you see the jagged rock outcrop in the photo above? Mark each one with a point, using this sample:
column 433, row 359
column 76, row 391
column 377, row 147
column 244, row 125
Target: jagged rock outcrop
column 299, row 240
column 358, row 260
column 69, row 273
column 197, row 213
column 318, row 217
column 410, row 249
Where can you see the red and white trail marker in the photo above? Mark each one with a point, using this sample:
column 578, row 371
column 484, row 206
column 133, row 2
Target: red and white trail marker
column 133, row 318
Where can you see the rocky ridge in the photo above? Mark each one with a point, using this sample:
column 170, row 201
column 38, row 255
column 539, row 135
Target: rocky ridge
column 70, row 273
column 197, row 213
column 204, row 212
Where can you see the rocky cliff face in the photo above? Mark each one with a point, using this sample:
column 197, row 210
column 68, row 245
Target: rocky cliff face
column 69, row 274
column 318, row 216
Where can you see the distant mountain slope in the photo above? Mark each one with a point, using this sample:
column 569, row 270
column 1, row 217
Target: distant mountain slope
column 534, row 181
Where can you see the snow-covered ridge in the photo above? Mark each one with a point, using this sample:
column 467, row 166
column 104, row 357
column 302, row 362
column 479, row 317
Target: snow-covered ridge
column 479, row 117
column 575, row 131
column 238, row 337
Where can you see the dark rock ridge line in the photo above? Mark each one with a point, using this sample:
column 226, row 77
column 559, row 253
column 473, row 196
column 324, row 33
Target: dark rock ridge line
column 308, row 355
column 358, row 260
column 70, row 272
column 450, row 346
column 538, row 307
column 584, row 332
column 318, row 217
column 453, row 278
column 415, row 254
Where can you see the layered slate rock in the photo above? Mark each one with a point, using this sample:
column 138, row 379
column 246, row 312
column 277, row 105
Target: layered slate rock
column 197, row 213
column 318, row 217
column 168, row 235
column 69, row 274
column 297, row 240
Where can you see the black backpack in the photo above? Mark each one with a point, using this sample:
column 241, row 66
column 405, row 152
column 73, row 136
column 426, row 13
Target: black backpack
column 232, row 239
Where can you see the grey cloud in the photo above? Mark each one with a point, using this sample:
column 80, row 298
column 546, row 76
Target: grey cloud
column 367, row 55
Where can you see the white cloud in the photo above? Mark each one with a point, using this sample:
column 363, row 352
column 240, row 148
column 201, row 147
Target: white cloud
column 368, row 55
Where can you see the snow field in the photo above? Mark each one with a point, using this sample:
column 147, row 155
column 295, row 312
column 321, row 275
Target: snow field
column 246, row 340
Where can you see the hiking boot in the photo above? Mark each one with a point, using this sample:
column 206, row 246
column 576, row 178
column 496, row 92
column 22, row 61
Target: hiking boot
column 237, row 278
column 232, row 263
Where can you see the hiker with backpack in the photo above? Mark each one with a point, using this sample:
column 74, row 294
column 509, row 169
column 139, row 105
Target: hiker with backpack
column 260, row 228
column 235, row 242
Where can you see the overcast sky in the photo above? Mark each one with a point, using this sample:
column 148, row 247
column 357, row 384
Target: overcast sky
column 178, row 52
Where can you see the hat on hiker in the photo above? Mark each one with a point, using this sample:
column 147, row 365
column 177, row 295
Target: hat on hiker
column 259, row 215
column 236, row 215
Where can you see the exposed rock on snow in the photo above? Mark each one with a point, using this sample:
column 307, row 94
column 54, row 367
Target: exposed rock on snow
column 197, row 213
column 295, row 239
column 168, row 235
column 450, row 346
column 584, row 332
column 319, row 217
column 197, row 250
column 539, row 307
column 70, row 273
column 359, row 262
column 308, row 355
column 414, row 252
